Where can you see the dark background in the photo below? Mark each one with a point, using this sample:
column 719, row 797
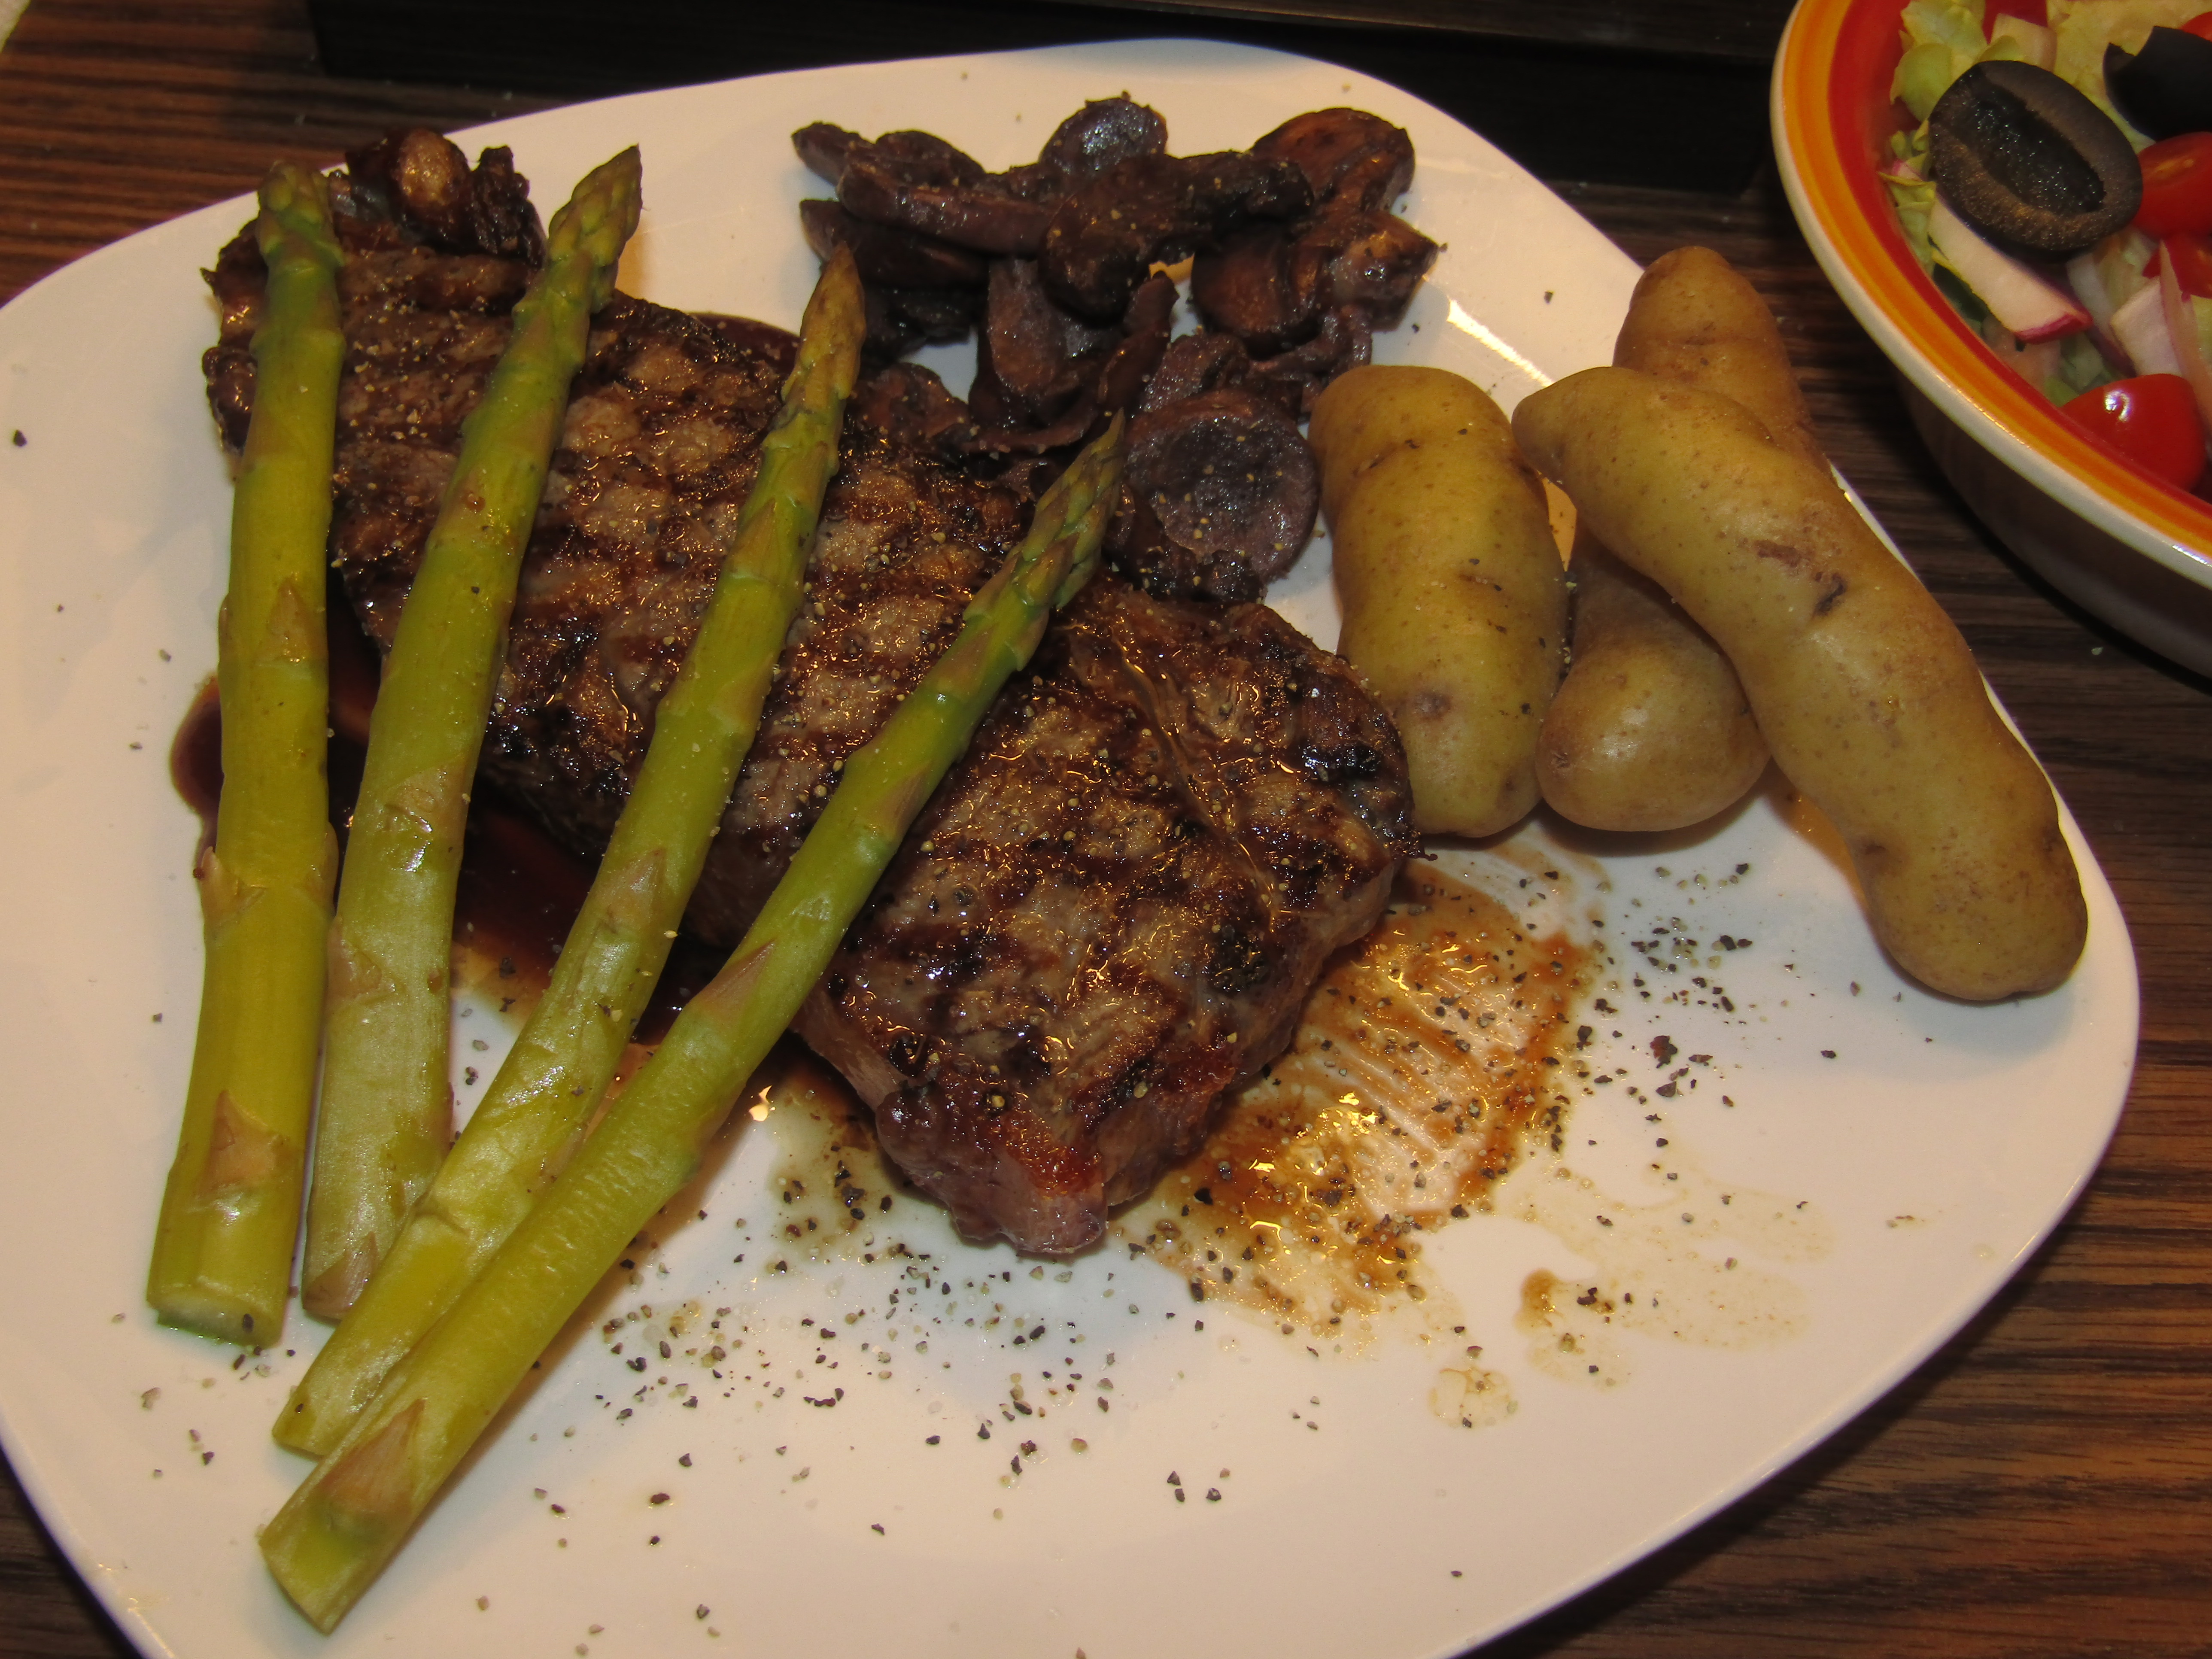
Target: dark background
column 1555, row 86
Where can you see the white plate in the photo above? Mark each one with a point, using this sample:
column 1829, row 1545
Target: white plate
column 1916, row 1169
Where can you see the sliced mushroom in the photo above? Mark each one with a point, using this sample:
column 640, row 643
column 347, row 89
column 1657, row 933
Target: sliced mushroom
column 898, row 258
column 1145, row 331
column 2030, row 162
column 1105, row 237
column 1370, row 259
column 1040, row 355
column 1093, row 372
column 1205, row 361
column 1271, row 287
column 1220, row 492
column 1102, row 133
column 971, row 216
column 900, row 318
column 825, row 148
column 1351, row 158
column 1293, row 379
column 1246, row 289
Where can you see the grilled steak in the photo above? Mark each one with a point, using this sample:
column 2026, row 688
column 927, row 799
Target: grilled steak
column 623, row 561
column 658, row 450
column 1117, row 903
column 1113, row 910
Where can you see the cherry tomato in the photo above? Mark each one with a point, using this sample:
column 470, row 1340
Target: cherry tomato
column 2200, row 25
column 2192, row 263
column 2177, row 175
column 2028, row 11
column 2151, row 420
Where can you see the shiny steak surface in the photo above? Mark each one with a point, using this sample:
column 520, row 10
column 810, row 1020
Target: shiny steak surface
column 1113, row 910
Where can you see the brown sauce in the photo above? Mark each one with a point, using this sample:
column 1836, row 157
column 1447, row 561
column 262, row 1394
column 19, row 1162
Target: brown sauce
column 1431, row 1054
column 519, row 891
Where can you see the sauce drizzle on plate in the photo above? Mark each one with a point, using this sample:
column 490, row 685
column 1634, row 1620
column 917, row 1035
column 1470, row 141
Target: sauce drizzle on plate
column 1430, row 1055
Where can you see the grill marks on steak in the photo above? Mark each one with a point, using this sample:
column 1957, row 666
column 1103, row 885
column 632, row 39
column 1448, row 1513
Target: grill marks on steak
column 1114, row 907
column 423, row 332
column 1113, row 910
column 906, row 540
column 660, row 447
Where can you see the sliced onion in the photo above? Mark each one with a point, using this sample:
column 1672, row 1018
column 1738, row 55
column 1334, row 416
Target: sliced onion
column 2087, row 281
column 2089, row 285
column 2181, row 329
column 2139, row 325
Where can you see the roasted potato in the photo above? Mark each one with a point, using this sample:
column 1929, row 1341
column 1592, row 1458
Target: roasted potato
column 1695, row 320
column 1455, row 598
column 1651, row 729
column 1860, row 683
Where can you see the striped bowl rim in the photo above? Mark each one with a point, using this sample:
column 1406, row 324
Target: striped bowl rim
column 1832, row 117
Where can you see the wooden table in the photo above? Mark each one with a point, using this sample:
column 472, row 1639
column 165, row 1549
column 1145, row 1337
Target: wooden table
column 2043, row 1486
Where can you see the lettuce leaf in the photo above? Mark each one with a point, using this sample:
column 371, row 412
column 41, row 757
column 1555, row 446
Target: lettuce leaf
column 1942, row 39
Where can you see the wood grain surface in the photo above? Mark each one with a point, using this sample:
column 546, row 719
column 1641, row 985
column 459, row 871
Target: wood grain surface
column 2044, row 1485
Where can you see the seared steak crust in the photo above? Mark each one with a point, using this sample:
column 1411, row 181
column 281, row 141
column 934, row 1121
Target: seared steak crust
column 906, row 540
column 1114, row 907
column 1112, row 911
column 660, row 447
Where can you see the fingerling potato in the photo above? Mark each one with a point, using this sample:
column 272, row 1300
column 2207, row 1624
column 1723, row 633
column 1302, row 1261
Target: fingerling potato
column 1859, row 681
column 1651, row 729
column 1695, row 320
column 1454, row 596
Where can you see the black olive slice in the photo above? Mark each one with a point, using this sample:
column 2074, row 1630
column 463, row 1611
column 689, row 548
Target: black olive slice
column 2030, row 162
column 2166, row 87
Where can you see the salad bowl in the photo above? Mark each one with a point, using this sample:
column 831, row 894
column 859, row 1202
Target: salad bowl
column 2130, row 548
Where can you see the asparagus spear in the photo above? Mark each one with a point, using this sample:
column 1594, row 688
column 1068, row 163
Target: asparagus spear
column 387, row 1107
column 222, row 1249
column 336, row 1533
column 566, row 1056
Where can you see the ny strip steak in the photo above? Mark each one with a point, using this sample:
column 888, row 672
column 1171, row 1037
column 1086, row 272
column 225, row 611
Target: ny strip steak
column 1113, row 910
column 1132, row 880
column 658, row 450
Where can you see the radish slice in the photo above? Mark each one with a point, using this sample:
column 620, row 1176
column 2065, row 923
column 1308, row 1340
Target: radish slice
column 2016, row 295
column 2089, row 284
column 2140, row 327
column 2181, row 329
column 2087, row 279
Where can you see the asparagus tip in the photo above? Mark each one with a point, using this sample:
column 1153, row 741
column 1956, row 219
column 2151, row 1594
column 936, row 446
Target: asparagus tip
column 598, row 218
column 296, row 203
